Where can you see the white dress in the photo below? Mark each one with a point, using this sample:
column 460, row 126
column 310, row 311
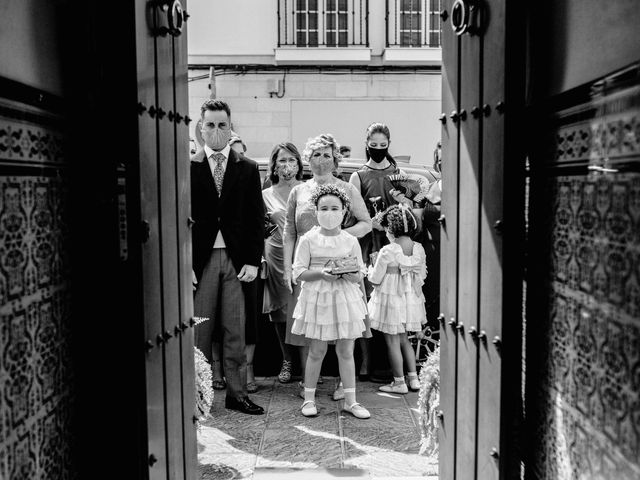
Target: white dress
column 328, row 310
column 397, row 302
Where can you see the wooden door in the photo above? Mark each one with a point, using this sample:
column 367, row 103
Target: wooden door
column 166, row 253
column 481, row 278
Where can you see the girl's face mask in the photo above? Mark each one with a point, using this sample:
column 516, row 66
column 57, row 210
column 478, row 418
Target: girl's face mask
column 330, row 219
column 330, row 212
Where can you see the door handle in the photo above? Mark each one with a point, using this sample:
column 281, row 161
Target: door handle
column 464, row 17
column 175, row 17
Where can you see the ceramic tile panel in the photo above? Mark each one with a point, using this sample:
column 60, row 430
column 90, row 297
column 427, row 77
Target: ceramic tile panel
column 585, row 404
column 36, row 378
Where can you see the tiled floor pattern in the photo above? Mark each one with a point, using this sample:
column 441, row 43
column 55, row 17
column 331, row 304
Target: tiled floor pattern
column 282, row 444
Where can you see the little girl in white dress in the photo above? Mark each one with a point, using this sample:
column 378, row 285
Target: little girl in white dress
column 396, row 305
column 330, row 305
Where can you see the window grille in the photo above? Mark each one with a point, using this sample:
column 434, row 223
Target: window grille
column 323, row 23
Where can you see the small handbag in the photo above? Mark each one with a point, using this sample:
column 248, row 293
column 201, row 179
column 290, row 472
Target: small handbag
column 340, row 266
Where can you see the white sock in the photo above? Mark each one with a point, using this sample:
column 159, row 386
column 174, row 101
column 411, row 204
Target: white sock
column 398, row 380
column 349, row 396
column 309, row 394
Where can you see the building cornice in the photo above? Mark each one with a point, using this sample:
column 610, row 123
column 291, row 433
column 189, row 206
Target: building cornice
column 222, row 69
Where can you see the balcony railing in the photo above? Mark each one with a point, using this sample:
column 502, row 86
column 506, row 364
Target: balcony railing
column 323, row 23
column 413, row 23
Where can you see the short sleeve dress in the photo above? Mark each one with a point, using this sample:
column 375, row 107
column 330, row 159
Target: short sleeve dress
column 397, row 302
column 301, row 218
column 328, row 310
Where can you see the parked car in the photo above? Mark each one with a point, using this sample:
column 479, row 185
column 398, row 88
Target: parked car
column 347, row 167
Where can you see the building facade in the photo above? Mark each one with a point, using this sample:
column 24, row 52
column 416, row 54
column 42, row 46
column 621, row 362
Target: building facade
column 291, row 69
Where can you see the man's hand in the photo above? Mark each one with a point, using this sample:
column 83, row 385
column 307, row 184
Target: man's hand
column 194, row 280
column 248, row 273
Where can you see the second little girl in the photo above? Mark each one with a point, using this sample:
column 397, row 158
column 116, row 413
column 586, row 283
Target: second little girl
column 397, row 302
column 330, row 306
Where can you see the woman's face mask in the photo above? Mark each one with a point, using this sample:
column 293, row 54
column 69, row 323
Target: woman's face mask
column 378, row 147
column 377, row 154
column 321, row 161
column 287, row 171
column 286, row 165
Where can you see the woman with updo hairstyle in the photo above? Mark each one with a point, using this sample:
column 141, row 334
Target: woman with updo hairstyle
column 285, row 172
column 372, row 181
column 323, row 155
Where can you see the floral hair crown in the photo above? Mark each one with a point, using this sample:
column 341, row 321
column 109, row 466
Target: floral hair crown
column 330, row 189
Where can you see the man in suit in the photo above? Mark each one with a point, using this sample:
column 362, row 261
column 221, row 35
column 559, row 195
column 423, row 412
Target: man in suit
column 228, row 238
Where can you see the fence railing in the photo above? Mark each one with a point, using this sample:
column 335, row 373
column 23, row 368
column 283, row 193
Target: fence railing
column 323, row 23
column 413, row 23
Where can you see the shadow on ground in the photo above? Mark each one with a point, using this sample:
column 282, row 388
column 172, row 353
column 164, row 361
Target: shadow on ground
column 284, row 444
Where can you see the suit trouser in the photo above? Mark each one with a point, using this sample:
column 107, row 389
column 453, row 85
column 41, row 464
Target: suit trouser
column 220, row 291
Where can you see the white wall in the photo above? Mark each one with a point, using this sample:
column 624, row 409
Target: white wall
column 342, row 104
column 237, row 27
column 413, row 124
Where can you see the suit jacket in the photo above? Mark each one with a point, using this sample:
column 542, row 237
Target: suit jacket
column 238, row 213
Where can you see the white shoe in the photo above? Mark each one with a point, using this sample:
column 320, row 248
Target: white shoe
column 309, row 409
column 394, row 388
column 357, row 411
column 414, row 384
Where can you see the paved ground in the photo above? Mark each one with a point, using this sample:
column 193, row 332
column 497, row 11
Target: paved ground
column 283, row 444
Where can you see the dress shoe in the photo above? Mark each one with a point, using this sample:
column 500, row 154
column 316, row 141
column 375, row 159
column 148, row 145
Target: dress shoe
column 245, row 406
column 357, row 411
column 309, row 409
column 414, row 384
column 394, row 387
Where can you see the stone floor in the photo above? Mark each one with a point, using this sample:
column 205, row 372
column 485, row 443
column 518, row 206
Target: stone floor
column 283, row 444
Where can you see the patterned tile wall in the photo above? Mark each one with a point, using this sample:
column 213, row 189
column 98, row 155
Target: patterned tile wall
column 588, row 396
column 35, row 363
